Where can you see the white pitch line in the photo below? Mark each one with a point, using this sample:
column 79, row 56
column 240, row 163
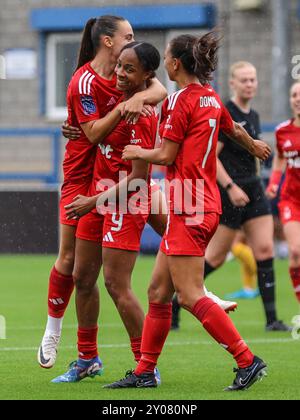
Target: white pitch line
column 169, row 344
column 65, row 327
column 113, row 325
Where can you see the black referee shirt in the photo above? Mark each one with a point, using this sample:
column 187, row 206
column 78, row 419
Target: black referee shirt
column 240, row 164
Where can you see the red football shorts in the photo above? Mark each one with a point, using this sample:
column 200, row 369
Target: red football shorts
column 191, row 240
column 70, row 190
column 118, row 231
column 90, row 227
column 289, row 212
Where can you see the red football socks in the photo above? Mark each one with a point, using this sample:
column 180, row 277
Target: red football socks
column 295, row 276
column 218, row 324
column 59, row 293
column 156, row 328
column 136, row 348
column 87, row 343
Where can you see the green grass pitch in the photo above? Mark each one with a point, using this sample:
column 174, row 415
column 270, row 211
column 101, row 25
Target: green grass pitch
column 192, row 365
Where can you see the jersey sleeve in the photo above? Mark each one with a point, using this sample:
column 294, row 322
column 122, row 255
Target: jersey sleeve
column 84, row 101
column 176, row 118
column 163, row 116
column 223, row 138
column 142, row 133
column 226, row 121
column 279, row 143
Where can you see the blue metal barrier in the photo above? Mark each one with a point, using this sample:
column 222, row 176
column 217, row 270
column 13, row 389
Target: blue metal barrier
column 55, row 135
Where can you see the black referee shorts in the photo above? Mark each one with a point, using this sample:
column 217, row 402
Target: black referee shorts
column 259, row 205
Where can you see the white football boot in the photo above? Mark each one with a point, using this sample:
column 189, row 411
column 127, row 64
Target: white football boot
column 48, row 350
column 226, row 305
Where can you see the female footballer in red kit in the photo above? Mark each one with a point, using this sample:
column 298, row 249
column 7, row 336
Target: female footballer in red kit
column 92, row 95
column 287, row 159
column 191, row 119
column 110, row 236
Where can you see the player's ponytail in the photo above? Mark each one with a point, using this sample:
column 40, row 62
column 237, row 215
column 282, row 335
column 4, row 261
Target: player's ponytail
column 205, row 54
column 197, row 55
column 86, row 52
column 93, row 30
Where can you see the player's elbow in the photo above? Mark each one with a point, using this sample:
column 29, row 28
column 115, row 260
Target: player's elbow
column 164, row 93
column 94, row 135
column 235, row 132
column 95, row 138
column 166, row 160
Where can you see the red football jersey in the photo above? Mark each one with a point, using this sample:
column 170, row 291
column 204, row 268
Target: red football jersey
column 193, row 117
column 109, row 162
column 288, row 145
column 89, row 98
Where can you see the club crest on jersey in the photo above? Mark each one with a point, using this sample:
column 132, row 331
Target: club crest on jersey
column 88, row 104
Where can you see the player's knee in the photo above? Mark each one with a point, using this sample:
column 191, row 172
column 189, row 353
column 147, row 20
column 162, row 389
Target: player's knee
column 155, row 293
column 159, row 294
column 295, row 253
column 83, row 282
column 218, row 259
column 264, row 251
column 66, row 260
column 111, row 281
column 185, row 300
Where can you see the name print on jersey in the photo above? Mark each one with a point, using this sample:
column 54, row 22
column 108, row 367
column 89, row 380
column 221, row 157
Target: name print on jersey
column 209, row 102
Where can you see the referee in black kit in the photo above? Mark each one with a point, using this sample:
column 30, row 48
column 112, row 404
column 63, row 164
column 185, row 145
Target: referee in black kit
column 243, row 199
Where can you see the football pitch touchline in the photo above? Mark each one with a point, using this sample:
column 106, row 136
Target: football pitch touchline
column 115, row 325
column 170, row 344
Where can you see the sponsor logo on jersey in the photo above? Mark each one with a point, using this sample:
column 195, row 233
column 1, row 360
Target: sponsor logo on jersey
column 57, row 301
column 133, row 140
column 294, row 163
column 290, row 154
column 108, row 238
column 287, row 144
column 112, row 101
column 168, row 126
column 106, row 150
column 209, row 102
column 287, row 213
column 88, row 104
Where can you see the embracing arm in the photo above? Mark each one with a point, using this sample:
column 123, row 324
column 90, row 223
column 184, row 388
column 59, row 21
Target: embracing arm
column 140, row 170
column 97, row 130
column 164, row 155
column 153, row 95
column 82, row 205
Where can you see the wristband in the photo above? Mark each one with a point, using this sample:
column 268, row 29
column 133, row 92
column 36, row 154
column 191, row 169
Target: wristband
column 275, row 179
column 229, row 186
